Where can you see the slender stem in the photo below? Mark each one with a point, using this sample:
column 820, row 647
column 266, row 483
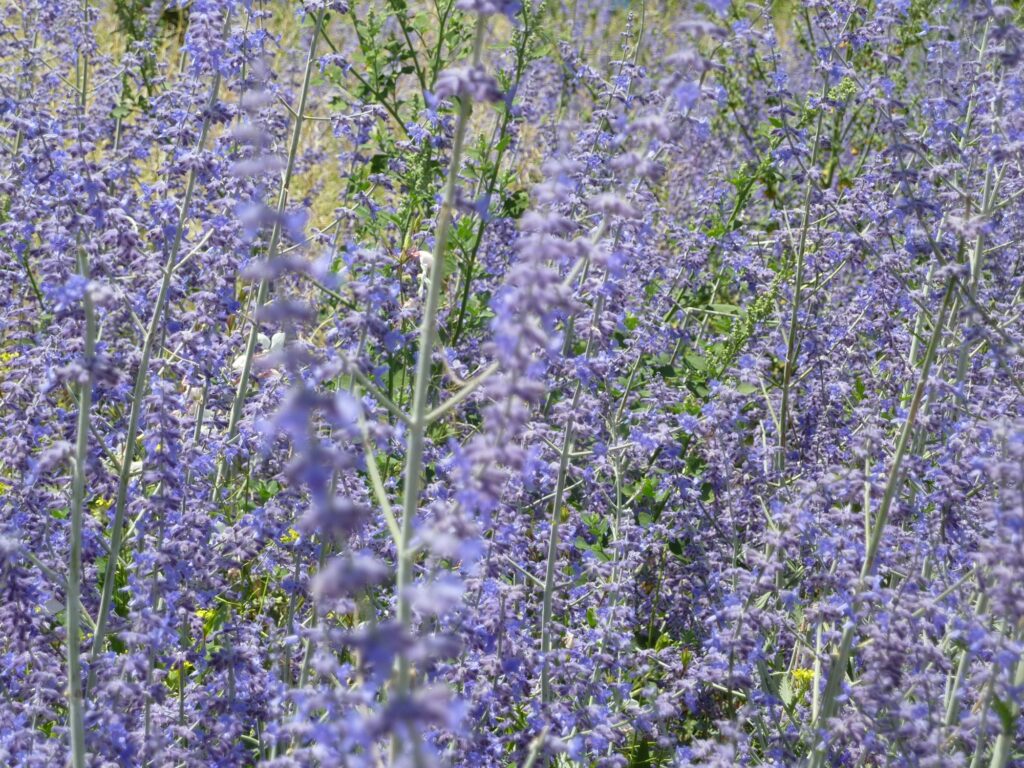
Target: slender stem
column 500, row 133
column 379, row 395
column 377, row 483
column 798, row 278
column 952, row 698
column 551, row 565
column 467, row 389
column 73, row 617
column 421, row 386
column 76, row 696
column 975, row 261
column 1007, row 738
column 535, row 747
column 307, row 658
column 73, row 607
column 399, row 10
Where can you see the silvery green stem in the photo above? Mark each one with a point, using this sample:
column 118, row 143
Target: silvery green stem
column 551, row 565
column 468, row 388
column 798, row 278
column 975, row 260
column 421, row 386
column 76, row 696
column 915, row 340
column 991, row 185
column 952, row 702
column 73, row 613
column 613, row 578
column 535, row 747
column 979, row 745
column 838, row 669
column 816, row 681
column 272, row 249
column 1007, row 738
column 139, row 394
column 196, row 434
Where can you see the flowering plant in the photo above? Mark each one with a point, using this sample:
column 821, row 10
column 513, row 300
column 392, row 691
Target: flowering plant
column 493, row 383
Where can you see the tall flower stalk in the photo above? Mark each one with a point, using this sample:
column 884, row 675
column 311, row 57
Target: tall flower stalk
column 142, row 375
column 72, row 607
column 418, row 415
column 263, row 289
column 838, row 668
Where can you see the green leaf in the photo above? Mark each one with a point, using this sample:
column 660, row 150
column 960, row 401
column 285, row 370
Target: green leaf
column 514, row 205
column 1005, row 712
column 665, row 371
column 697, row 362
column 729, row 309
column 663, row 641
column 786, row 692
